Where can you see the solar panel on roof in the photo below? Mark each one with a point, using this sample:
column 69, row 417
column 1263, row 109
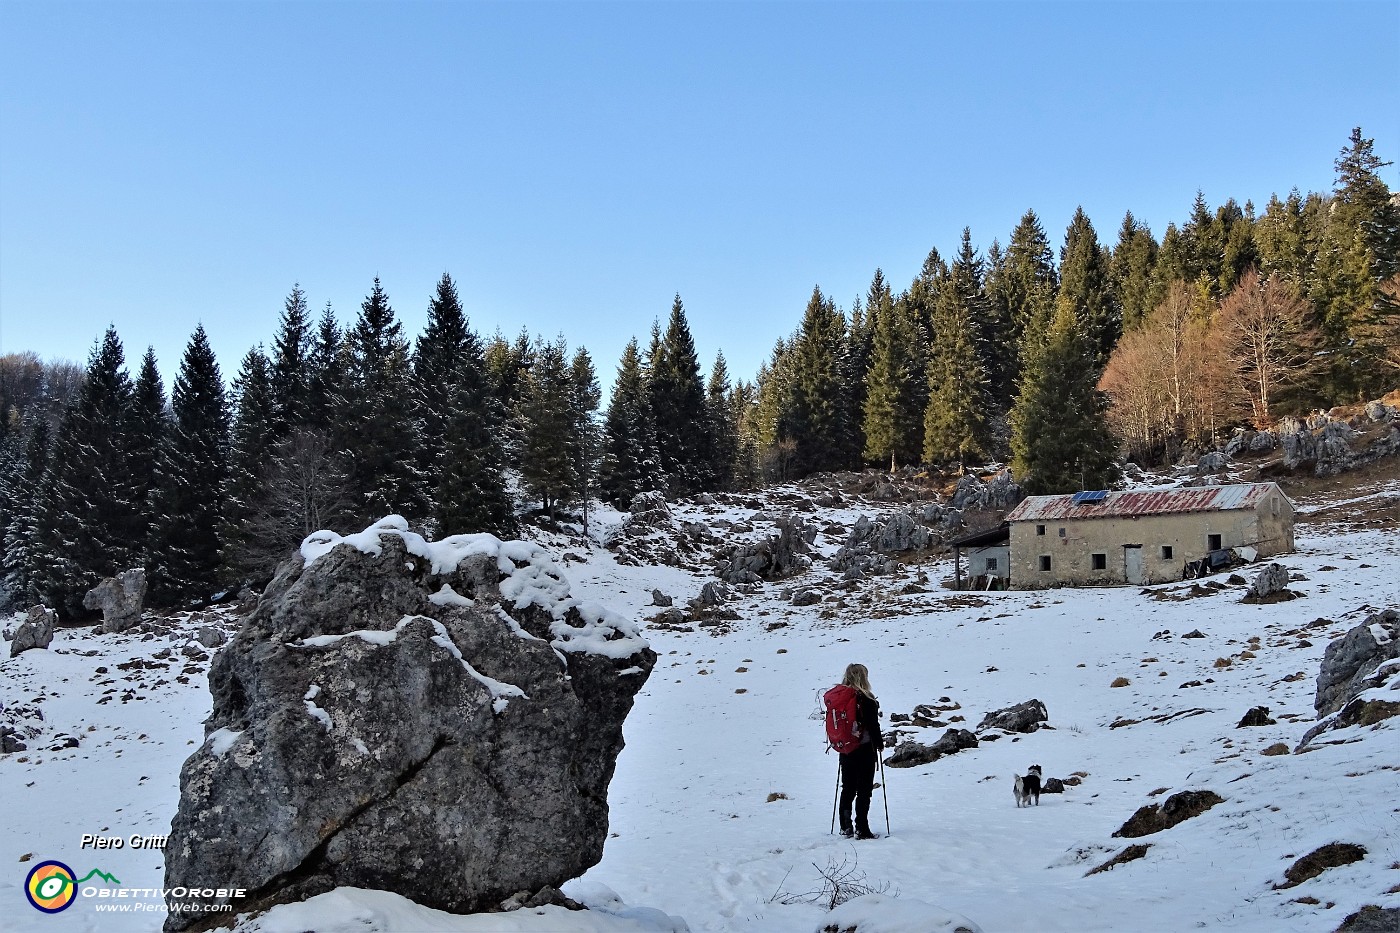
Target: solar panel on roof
column 1090, row 496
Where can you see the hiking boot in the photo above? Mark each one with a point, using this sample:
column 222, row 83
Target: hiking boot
column 866, row 834
column 847, row 831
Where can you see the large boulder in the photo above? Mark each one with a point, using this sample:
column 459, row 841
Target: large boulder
column 438, row 719
column 36, row 631
column 1349, row 661
column 1023, row 717
column 912, row 754
column 119, row 598
column 649, row 510
column 1178, row 808
column 1269, row 584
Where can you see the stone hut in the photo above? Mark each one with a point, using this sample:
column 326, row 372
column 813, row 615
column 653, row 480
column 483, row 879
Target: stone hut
column 1104, row 538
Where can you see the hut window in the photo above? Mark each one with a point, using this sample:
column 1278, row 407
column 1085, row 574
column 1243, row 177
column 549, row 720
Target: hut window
column 1273, row 504
column 1213, row 542
column 1045, row 562
column 991, row 563
column 1040, row 529
column 1166, row 552
column 1100, row 561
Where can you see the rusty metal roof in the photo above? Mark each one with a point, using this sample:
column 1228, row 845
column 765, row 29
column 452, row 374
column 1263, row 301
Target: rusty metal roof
column 1145, row 502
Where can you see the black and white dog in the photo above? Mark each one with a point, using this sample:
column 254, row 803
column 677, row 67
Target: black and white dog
column 1027, row 787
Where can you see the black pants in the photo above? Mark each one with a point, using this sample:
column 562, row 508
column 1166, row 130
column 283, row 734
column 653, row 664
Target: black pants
column 857, row 784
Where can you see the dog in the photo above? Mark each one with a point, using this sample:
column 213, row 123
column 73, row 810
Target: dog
column 1027, row 787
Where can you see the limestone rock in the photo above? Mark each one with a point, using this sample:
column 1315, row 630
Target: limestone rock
column 36, row 631
column 649, row 510
column 999, row 494
column 1213, row 462
column 1350, row 660
column 910, row 754
column 1269, row 582
column 1023, row 717
column 120, row 599
column 659, row 598
column 807, row 596
column 772, row 558
column 210, row 637
column 1176, row 809
column 438, row 719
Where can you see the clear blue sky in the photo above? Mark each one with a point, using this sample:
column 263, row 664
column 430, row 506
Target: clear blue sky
column 575, row 165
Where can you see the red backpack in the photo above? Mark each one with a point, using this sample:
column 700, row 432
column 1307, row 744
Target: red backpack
column 842, row 722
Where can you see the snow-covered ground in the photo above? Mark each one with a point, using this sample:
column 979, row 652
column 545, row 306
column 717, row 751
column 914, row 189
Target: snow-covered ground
column 722, row 800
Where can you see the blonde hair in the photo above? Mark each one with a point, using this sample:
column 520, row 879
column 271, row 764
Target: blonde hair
column 857, row 676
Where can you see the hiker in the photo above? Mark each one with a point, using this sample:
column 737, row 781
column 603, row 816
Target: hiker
column 858, row 763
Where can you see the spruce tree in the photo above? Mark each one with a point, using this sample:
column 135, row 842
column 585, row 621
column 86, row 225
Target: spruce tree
column 291, row 371
column 187, row 548
column 149, row 427
column 546, row 418
column 1285, row 245
column 461, row 455
column 956, row 418
column 1359, row 250
column 27, row 492
column 860, row 350
column 1130, row 270
column 1027, row 282
column 253, row 448
column 90, row 524
column 1060, row 441
column 585, row 441
column 813, row 416
column 896, row 388
column 325, row 373
column 630, row 461
column 678, row 404
column 722, row 425
column 1085, row 287
column 376, row 423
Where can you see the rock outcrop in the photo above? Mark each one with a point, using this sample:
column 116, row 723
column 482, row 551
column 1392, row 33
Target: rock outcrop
column 911, row 754
column 119, row 598
column 1023, row 717
column 1349, row 662
column 1176, row 809
column 772, row 558
column 438, row 719
column 36, row 631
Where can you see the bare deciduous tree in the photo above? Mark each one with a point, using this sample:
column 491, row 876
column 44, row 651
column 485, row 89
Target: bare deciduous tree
column 1267, row 335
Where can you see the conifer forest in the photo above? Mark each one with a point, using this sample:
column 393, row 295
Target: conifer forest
column 1058, row 356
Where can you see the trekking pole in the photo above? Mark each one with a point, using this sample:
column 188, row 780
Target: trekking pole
column 884, row 792
column 837, row 796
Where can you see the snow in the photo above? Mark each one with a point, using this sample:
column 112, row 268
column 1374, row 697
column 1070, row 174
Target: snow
column 221, row 740
column 694, row 841
column 447, row 596
column 315, row 711
column 501, row 693
column 355, row 910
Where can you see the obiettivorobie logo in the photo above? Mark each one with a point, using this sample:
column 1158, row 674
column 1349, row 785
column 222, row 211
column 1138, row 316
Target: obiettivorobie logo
column 53, row 886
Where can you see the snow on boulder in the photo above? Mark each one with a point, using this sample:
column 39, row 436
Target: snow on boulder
column 439, row 719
